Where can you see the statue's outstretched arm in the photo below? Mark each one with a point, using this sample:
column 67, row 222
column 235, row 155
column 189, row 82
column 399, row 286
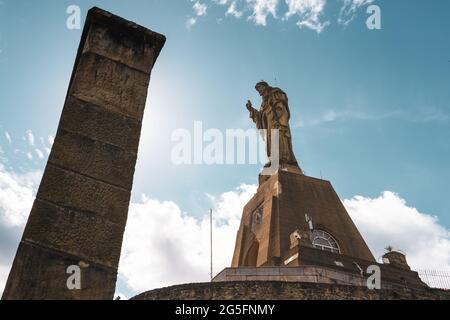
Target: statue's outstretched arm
column 254, row 114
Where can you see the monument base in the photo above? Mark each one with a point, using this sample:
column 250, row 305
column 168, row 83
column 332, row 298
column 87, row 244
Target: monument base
column 282, row 290
column 289, row 202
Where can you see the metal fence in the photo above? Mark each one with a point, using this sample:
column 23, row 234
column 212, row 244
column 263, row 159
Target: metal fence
column 435, row 278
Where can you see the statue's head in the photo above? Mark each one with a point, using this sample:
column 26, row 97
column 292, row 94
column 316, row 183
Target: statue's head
column 261, row 87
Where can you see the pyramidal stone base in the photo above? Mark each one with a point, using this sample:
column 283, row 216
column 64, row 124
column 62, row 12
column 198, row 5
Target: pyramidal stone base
column 287, row 203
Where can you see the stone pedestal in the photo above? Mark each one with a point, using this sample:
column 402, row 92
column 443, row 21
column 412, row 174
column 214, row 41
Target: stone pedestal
column 296, row 230
column 284, row 204
column 80, row 211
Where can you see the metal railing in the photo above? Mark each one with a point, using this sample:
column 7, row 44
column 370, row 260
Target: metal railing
column 435, row 279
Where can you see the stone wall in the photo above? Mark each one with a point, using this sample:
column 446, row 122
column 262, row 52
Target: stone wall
column 278, row 290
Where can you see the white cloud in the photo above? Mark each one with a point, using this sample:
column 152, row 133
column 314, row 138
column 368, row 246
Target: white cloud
column 233, row 11
column 164, row 246
column 39, row 153
column 229, row 205
column 17, row 192
column 16, row 196
column 262, row 9
column 333, row 115
column 26, row 149
column 200, row 8
column 30, row 137
column 190, row 22
column 349, row 9
column 8, row 137
column 309, row 11
column 418, row 115
column 4, row 271
column 388, row 220
column 50, row 140
column 232, row 8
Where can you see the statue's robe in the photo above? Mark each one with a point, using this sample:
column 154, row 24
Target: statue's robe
column 274, row 114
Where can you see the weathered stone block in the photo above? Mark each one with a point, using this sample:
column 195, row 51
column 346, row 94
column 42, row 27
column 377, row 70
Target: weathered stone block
column 113, row 85
column 110, row 43
column 82, row 234
column 42, row 274
column 100, row 124
column 287, row 271
column 81, row 193
column 311, row 271
column 245, row 271
column 93, row 158
column 266, row 271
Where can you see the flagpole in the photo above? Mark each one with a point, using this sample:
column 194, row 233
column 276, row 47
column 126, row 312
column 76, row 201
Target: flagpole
column 211, row 241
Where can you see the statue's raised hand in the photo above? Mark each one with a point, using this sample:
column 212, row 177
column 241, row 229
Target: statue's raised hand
column 249, row 105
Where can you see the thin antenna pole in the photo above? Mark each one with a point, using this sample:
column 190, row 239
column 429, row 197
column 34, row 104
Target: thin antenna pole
column 211, row 240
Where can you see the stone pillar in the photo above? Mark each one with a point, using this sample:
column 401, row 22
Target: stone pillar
column 79, row 215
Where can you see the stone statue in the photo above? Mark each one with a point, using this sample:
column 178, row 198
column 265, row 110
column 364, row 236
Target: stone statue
column 274, row 114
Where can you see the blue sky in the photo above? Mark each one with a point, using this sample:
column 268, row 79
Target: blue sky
column 370, row 108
